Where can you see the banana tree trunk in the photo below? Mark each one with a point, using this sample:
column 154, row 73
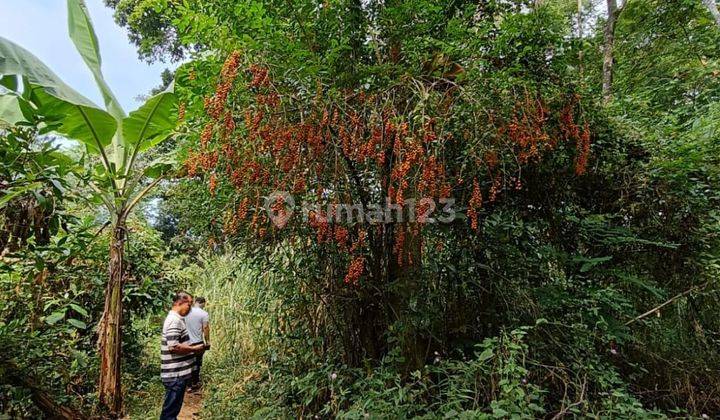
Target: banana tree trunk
column 110, row 332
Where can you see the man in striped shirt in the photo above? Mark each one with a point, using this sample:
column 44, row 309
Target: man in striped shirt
column 177, row 356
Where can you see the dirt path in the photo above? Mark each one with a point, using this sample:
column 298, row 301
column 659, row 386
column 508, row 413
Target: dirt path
column 191, row 406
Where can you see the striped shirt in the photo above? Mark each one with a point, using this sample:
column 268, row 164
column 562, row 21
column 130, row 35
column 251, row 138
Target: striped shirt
column 173, row 365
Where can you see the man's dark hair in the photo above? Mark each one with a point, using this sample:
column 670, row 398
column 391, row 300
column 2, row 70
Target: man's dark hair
column 200, row 300
column 180, row 296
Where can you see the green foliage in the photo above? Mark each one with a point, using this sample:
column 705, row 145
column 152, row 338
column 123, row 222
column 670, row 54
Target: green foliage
column 252, row 372
column 578, row 296
column 150, row 29
column 47, row 102
column 36, row 180
column 71, row 114
column 576, row 257
column 52, row 272
column 52, row 300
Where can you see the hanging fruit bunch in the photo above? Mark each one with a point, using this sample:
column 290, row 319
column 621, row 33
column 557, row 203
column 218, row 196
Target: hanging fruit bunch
column 333, row 148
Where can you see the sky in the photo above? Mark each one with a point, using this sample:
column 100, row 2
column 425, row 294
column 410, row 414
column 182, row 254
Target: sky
column 40, row 26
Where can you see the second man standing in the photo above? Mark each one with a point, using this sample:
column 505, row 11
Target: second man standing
column 198, row 326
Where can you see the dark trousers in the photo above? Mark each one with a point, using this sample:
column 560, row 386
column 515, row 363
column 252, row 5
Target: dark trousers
column 174, row 394
column 195, row 379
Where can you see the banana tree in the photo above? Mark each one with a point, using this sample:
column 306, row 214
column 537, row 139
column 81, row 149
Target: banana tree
column 31, row 93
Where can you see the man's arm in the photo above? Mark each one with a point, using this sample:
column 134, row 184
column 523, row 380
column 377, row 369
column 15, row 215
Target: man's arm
column 182, row 348
column 206, row 332
column 206, row 328
column 173, row 335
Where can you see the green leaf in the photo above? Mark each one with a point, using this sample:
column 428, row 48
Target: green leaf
column 77, row 323
column 499, row 412
column 485, row 355
column 159, row 167
column 93, row 127
column 152, row 122
column 83, row 36
column 10, row 112
column 10, row 82
column 82, row 33
column 76, row 117
column 15, row 60
column 79, row 309
column 54, row 317
column 12, row 193
column 589, row 263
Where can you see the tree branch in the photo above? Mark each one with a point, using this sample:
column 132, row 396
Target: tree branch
column 140, row 196
column 673, row 299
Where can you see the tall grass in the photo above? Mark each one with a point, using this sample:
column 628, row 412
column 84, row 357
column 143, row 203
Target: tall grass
column 226, row 282
column 145, row 392
column 236, row 299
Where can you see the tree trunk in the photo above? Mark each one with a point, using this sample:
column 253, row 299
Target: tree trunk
column 713, row 9
column 608, row 57
column 407, row 277
column 110, row 331
column 580, row 36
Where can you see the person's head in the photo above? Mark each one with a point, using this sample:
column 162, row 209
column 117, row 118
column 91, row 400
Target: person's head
column 200, row 302
column 182, row 302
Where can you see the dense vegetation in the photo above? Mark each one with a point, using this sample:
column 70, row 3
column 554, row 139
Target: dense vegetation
column 579, row 142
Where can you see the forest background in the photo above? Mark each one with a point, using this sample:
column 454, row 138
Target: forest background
column 580, row 142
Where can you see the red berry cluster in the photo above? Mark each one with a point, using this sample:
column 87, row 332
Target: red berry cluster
column 332, row 148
